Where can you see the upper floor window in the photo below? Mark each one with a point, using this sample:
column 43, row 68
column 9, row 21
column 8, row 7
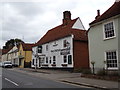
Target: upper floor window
column 46, row 47
column 39, row 49
column 64, row 43
column 111, row 59
column 109, row 30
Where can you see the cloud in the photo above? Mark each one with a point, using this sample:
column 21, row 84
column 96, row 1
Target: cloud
column 30, row 20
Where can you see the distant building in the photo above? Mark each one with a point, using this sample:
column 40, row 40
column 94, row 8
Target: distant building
column 5, row 54
column 13, row 55
column 25, row 55
column 103, row 39
column 65, row 46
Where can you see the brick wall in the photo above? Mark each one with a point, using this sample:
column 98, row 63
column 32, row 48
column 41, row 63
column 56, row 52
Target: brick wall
column 81, row 56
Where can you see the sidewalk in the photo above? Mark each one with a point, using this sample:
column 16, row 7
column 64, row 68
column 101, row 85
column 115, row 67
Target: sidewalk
column 74, row 78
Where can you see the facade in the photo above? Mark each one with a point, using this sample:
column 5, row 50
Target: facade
column 25, row 55
column 103, row 39
column 13, row 55
column 5, row 54
column 65, row 46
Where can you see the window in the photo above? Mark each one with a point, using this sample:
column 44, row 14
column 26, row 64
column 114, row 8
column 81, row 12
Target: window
column 54, row 60
column 109, row 30
column 111, row 58
column 46, row 47
column 69, row 59
column 50, row 60
column 33, row 61
column 65, row 59
column 46, row 59
column 64, row 43
column 39, row 49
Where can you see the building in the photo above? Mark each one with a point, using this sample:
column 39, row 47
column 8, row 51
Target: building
column 5, row 54
column 25, row 55
column 13, row 55
column 103, row 39
column 65, row 46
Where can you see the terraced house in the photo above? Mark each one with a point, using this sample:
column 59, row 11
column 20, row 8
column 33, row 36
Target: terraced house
column 65, row 46
column 25, row 55
column 103, row 39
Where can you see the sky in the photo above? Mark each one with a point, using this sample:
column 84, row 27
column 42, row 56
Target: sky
column 29, row 20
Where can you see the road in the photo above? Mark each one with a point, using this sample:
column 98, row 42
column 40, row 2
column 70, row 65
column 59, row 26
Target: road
column 14, row 79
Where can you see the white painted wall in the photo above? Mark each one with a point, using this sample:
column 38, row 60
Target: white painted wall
column 59, row 45
column 78, row 25
column 98, row 46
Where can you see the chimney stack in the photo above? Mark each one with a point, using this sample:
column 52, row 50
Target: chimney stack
column 66, row 17
column 98, row 14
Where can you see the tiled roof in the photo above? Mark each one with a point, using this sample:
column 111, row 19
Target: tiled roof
column 63, row 31
column 4, row 51
column 27, row 46
column 112, row 11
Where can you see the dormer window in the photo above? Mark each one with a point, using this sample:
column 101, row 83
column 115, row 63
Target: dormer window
column 109, row 31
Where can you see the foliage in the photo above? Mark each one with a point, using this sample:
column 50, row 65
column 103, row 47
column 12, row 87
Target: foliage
column 12, row 42
column 101, row 72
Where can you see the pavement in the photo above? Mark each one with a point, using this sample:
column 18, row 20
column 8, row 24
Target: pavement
column 73, row 78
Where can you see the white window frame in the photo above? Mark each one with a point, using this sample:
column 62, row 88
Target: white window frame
column 111, row 68
column 104, row 38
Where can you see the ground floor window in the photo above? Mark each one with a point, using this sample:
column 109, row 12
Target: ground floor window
column 69, row 59
column 54, row 60
column 111, row 59
column 33, row 61
column 65, row 59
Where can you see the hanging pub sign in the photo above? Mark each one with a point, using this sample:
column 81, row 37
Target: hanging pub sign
column 65, row 51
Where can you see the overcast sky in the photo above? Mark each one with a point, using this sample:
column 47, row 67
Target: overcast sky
column 29, row 21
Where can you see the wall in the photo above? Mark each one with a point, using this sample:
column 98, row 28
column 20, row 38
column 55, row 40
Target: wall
column 52, row 46
column 98, row 46
column 81, row 56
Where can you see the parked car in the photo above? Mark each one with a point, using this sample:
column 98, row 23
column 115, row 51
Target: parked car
column 1, row 64
column 7, row 64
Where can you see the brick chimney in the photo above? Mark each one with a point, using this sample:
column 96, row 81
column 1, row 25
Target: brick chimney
column 66, row 17
column 98, row 14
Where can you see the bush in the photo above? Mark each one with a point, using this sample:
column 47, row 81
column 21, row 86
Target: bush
column 86, row 71
column 101, row 72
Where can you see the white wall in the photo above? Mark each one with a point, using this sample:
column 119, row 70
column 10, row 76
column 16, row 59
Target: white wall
column 52, row 46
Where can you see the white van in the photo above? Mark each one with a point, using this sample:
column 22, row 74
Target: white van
column 7, row 64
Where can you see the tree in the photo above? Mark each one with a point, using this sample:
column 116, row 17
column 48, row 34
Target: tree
column 12, row 42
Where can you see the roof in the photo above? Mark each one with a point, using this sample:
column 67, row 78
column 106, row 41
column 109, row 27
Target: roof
column 27, row 46
column 63, row 31
column 112, row 11
column 4, row 51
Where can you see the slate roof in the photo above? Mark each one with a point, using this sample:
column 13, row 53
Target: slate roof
column 63, row 31
column 112, row 11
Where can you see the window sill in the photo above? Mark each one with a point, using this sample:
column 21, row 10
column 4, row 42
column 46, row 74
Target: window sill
column 53, row 64
column 112, row 68
column 109, row 38
column 45, row 65
column 64, row 65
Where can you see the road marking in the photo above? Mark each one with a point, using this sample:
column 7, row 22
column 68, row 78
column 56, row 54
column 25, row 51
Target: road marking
column 12, row 82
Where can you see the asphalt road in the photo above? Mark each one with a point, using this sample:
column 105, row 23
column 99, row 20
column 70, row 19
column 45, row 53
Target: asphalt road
column 13, row 79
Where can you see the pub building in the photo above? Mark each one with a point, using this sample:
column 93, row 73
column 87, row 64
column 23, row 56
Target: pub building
column 65, row 46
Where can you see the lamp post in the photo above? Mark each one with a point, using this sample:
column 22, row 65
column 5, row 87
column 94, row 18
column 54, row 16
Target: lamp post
column 93, row 63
